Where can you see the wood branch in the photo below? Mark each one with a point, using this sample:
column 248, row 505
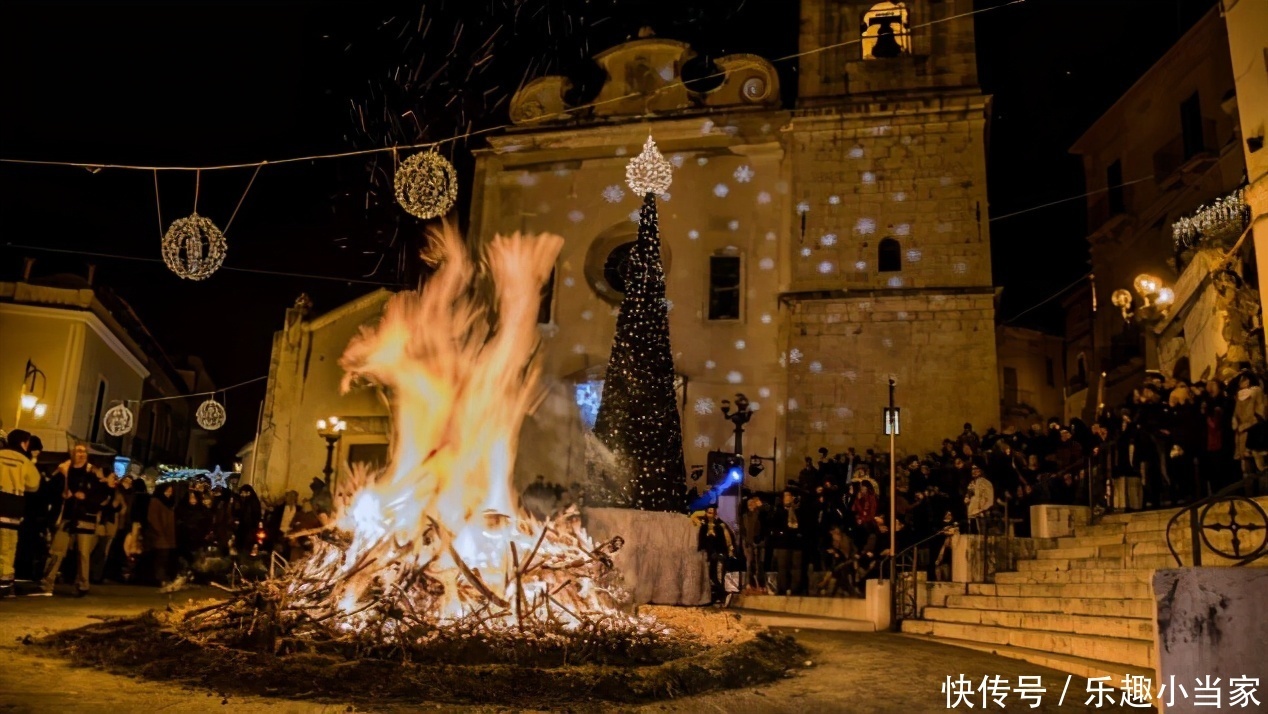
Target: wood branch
column 474, row 579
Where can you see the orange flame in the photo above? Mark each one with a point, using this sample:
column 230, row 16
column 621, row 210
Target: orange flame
column 440, row 525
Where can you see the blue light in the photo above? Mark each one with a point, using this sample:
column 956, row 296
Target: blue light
column 735, row 474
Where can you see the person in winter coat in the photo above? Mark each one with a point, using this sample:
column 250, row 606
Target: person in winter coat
column 160, row 531
column 1249, row 411
column 981, row 498
column 247, row 519
column 717, row 543
column 193, row 527
column 17, row 478
column 866, row 504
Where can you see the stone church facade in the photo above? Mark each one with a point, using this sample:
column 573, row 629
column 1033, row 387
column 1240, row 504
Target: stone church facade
column 812, row 253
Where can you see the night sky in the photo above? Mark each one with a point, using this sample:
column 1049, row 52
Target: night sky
column 198, row 83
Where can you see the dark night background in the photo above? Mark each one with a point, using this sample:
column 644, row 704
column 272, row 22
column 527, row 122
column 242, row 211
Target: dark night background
column 198, row 83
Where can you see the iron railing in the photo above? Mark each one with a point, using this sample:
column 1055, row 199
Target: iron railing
column 904, row 589
column 1243, row 518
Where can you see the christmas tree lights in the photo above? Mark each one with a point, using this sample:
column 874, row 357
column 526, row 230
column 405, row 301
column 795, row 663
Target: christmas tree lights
column 638, row 418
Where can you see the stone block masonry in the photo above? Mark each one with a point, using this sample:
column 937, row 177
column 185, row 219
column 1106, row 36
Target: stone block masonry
column 938, row 346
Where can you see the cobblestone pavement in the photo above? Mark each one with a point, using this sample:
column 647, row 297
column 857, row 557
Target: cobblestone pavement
column 851, row 672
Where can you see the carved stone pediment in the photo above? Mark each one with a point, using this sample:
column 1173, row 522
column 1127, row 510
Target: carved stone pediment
column 645, row 77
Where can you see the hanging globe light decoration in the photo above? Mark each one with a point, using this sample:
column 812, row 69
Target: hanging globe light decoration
column 194, row 247
column 118, row 420
column 426, row 185
column 210, row 415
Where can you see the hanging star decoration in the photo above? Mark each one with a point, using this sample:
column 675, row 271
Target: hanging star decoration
column 649, row 172
column 218, row 478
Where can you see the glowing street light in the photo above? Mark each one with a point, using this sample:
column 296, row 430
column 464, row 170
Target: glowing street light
column 330, row 430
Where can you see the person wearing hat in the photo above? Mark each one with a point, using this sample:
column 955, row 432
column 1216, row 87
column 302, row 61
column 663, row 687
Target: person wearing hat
column 18, row 477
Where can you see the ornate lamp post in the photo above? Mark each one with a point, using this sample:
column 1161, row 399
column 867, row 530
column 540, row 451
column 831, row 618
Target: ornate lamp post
column 739, row 418
column 330, row 430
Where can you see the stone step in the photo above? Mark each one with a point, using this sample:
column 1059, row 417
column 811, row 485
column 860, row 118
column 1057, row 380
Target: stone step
column 1116, row 651
column 1140, row 517
column 1103, row 529
column 1077, row 666
column 1100, row 607
column 1093, row 625
column 1137, row 590
column 1090, row 541
column 1050, row 564
column 768, row 618
column 1066, row 553
column 1086, row 575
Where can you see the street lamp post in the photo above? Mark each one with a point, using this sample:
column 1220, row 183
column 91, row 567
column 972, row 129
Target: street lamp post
column 330, row 430
column 891, row 428
column 739, row 418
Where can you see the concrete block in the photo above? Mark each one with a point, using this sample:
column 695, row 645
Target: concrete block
column 1211, row 623
column 1057, row 521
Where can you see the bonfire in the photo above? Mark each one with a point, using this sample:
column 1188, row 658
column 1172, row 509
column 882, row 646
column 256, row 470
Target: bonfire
column 434, row 548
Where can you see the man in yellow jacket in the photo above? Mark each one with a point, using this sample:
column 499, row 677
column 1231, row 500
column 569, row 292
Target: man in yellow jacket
column 18, row 477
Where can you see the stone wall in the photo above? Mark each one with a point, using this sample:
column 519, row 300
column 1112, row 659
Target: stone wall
column 939, row 347
column 945, row 58
column 914, row 172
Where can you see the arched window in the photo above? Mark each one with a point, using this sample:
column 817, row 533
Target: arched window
column 885, row 32
column 889, row 257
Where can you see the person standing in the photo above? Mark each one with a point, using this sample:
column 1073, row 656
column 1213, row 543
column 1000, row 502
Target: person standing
column 18, row 477
column 160, row 531
column 752, row 541
column 248, row 517
column 980, row 500
column 716, row 542
column 85, row 491
column 113, row 514
column 786, row 537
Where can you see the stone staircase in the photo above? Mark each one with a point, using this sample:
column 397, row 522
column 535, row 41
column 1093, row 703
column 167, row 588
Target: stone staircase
column 1084, row 604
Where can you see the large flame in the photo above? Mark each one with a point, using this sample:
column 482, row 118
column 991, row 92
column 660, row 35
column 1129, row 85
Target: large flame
column 439, row 530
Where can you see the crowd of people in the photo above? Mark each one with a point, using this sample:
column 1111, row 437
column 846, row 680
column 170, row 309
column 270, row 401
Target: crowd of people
column 120, row 531
column 828, row 531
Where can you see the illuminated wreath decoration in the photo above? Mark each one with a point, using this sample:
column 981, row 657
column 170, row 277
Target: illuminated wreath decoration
column 210, row 415
column 426, row 185
column 194, row 247
column 118, row 420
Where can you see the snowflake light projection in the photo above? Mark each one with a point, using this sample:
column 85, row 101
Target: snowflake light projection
column 704, row 406
column 865, row 226
column 914, row 255
column 740, row 344
column 828, row 239
column 613, row 194
column 766, row 264
column 806, row 252
column 763, row 198
column 743, row 174
column 766, row 318
column 763, row 392
column 834, row 200
column 721, row 190
column 803, row 208
column 826, row 267
column 710, row 364
column 815, row 367
column 703, row 442
column 856, row 152
column 795, row 355
column 576, row 216
column 734, row 377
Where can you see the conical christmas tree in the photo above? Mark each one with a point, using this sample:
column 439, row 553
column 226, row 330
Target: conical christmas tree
column 638, row 416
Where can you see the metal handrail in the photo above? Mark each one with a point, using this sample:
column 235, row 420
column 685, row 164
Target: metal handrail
column 1197, row 531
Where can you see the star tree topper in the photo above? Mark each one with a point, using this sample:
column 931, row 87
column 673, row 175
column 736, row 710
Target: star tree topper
column 649, row 172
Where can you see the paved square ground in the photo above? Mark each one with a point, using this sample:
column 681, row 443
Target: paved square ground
column 850, row 672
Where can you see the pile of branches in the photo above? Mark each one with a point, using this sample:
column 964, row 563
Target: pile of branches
column 298, row 611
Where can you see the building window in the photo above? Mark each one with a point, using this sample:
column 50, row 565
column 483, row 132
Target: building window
column 724, row 287
column 1191, row 126
column 544, row 311
column 1048, row 371
column 889, row 256
column 94, row 427
column 1011, row 393
column 1114, row 180
column 885, row 32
